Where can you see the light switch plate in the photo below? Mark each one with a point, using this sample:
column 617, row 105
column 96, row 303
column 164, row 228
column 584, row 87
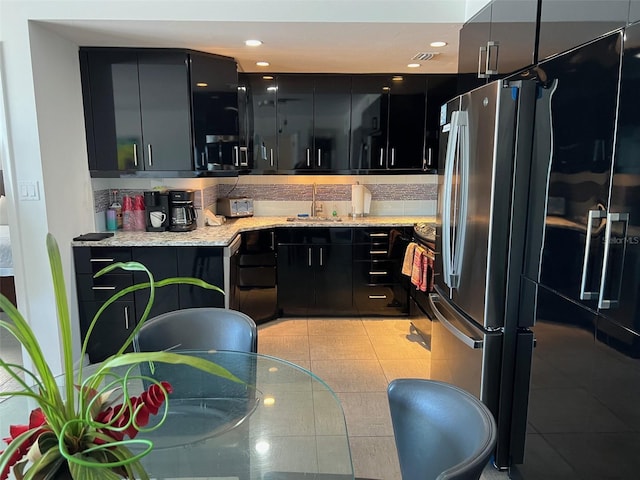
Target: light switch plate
column 28, row 190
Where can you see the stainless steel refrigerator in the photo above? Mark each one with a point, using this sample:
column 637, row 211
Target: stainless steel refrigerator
column 479, row 340
column 581, row 282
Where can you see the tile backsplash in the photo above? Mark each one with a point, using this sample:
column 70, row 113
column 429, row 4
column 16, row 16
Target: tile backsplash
column 287, row 194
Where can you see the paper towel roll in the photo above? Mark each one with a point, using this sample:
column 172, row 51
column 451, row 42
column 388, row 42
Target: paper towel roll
column 360, row 198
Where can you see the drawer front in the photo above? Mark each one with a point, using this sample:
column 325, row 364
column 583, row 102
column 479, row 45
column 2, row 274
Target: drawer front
column 93, row 259
column 371, row 252
column 373, row 273
column 314, row 236
column 371, row 235
column 102, row 288
column 380, row 300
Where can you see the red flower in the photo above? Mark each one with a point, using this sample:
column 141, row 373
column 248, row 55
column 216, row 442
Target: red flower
column 36, row 419
column 149, row 402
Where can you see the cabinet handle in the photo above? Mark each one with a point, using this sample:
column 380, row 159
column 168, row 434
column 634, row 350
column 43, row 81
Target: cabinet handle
column 321, row 259
column 378, row 235
column 480, row 73
column 236, row 153
column 584, row 295
column 126, row 318
column 378, row 252
column 103, row 260
column 603, row 303
column 244, row 159
column 381, row 156
column 150, row 157
column 429, row 157
column 377, row 296
column 106, row 287
column 378, row 273
column 496, row 47
column 309, row 256
column 319, row 157
column 393, row 156
column 271, row 156
column 308, row 157
column 135, row 154
column 273, row 241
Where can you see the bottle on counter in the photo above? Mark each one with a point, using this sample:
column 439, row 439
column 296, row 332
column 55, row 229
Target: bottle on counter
column 116, row 207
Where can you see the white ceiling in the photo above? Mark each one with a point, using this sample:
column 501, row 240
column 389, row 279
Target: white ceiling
column 292, row 46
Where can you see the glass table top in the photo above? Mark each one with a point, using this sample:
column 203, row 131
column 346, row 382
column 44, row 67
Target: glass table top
column 284, row 424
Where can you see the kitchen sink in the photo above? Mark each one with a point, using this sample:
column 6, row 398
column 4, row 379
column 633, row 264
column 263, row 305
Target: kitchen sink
column 311, row 219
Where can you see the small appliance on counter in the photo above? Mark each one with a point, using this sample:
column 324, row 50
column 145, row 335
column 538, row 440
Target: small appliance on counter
column 234, row 207
column 182, row 217
column 156, row 205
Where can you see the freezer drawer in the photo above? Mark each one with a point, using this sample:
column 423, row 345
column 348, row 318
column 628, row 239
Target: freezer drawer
column 463, row 354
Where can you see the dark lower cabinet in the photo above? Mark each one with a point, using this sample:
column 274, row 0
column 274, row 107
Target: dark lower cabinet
column 119, row 319
column 204, row 263
column 379, row 288
column 314, row 271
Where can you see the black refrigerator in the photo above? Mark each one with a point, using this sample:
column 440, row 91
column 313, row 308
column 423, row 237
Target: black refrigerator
column 581, row 279
column 478, row 340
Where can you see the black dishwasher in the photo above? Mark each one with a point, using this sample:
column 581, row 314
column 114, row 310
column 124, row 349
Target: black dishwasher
column 256, row 281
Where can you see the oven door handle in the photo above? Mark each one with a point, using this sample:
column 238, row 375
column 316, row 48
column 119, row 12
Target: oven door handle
column 470, row 342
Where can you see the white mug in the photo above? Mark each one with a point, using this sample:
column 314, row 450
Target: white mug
column 157, row 218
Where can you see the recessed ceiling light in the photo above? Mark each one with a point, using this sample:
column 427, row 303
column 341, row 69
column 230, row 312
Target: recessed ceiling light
column 438, row 44
column 413, row 65
column 267, row 77
column 262, row 64
column 385, row 89
column 397, row 78
column 202, row 84
column 252, row 43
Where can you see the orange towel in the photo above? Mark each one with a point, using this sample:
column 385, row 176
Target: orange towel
column 407, row 264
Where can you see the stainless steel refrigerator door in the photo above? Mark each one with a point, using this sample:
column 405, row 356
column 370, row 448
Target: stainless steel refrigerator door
column 475, row 199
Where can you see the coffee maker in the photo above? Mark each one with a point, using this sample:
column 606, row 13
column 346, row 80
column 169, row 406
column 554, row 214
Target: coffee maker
column 182, row 216
column 156, row 204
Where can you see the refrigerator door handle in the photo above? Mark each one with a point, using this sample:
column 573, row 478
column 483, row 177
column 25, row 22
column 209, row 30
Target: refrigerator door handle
column 584, row 295
column 456, row 161
column 474, row 343
column 604, row 303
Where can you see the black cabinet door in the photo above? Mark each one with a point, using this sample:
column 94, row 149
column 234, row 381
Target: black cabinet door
column 110, row 331
column 513, row 28
column 369, row 121
column 294, row 112
column 162, row 262
column 565, row 24
column 474, row 35
column 112, row 108
column 407, row 118
column 164, row 105
column 331, row 122
column 634, row 11
column 574, row 134
column 261, row 125
column 440, row 89
column 296, row 279
column 333, row 279
column 215, row 107
column 204, row 263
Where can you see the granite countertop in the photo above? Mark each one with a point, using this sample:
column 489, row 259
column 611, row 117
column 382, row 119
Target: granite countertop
column 223, row 235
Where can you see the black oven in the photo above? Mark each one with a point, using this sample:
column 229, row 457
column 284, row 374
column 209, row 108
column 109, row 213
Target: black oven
column 420, row 312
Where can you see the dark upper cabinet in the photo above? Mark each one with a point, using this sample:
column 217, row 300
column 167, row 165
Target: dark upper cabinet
column 388, row 120
column 498, row 40
column 257, row 96
column 137, row 109
column 565, row 24
column 215, row 103
column 313, row 122
column 440, row 89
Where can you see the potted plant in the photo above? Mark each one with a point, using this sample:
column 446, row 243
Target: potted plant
column 84, row 429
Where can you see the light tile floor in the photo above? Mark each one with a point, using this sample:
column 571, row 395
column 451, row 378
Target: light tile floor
column 10, row 352
column 357, row 358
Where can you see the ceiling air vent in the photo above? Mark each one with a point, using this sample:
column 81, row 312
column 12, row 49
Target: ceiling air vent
column 424, row 56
